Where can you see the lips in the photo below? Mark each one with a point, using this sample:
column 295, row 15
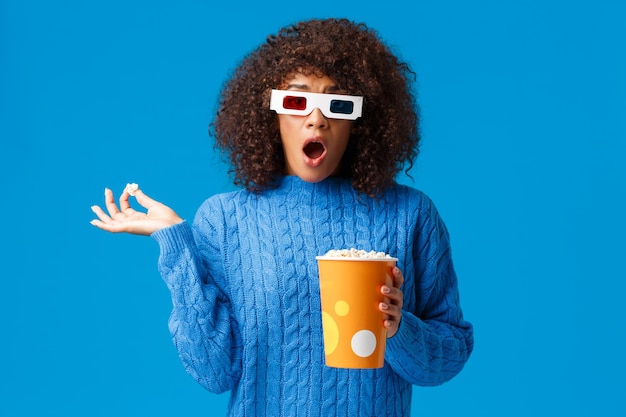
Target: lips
column 314, row 150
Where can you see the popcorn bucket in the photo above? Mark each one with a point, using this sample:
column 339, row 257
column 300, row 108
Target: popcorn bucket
column 354, row 333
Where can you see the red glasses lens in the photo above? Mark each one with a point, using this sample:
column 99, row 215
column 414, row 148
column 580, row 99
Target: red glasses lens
column 294, row 103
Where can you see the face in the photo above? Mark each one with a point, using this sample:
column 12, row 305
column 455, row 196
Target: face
column 313, row 144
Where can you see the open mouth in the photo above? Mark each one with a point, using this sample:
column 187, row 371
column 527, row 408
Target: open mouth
column 314, row 150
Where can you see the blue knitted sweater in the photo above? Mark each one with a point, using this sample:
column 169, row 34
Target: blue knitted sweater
column 246, row 307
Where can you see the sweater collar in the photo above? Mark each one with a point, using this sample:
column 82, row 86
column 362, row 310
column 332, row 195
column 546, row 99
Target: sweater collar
column 293, row 183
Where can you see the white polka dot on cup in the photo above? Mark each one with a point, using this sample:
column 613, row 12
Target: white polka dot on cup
column 363, row 343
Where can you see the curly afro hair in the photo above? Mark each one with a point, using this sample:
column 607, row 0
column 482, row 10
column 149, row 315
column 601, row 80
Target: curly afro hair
column 383, row 141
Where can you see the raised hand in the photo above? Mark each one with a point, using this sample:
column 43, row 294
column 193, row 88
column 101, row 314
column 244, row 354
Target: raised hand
column 125, row 219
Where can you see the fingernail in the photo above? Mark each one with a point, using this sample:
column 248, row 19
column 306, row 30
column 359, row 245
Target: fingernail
column 384, row 306
column 386, row 290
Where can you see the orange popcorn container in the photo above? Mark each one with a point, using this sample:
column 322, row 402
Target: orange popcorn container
column 354, row 333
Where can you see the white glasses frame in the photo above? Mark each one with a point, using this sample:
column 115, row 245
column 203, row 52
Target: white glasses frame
column 322, row 101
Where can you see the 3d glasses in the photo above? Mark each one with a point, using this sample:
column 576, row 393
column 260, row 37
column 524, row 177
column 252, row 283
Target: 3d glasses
column 332, row 106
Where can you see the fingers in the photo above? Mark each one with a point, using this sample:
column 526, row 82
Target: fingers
column 393, row 311
column 109, row 203
column 108, row 226
column 398, row 277
column 394, row 293
column 391, row 318
column 392, row 305
column 124, row 203
column 128, row 220
column 101, row 214
column 111, row 221
column 144, row 200
column 104, row 222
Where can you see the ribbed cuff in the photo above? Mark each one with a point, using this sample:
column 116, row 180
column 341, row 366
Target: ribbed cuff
column 174, row 238
column 405, row 336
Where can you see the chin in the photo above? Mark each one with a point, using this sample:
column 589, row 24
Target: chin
column 312, row 177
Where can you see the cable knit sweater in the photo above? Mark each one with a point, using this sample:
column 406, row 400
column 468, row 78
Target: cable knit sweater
column 246, row 306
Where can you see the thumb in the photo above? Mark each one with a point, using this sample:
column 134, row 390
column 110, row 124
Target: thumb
column 144, row 200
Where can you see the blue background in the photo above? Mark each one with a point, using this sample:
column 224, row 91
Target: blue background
column 524, row 137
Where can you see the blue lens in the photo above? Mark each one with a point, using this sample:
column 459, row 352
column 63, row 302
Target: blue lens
column 341, row 106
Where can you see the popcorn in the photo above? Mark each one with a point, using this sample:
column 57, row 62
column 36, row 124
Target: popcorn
column 356, row 253
column 131, row 188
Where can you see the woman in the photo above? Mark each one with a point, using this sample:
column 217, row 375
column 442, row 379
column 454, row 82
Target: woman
column 317, row 121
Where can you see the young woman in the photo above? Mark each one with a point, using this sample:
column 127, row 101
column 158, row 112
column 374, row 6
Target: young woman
column 317, row 121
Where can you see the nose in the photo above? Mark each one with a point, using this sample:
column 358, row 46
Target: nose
column 316, row 119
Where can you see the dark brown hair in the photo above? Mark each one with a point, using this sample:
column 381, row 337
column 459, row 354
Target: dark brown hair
column 383, row 141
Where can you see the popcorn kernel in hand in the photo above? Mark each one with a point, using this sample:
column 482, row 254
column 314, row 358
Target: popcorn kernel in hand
column 131, row 188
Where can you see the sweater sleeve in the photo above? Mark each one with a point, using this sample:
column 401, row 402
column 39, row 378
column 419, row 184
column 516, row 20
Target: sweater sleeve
column 433, row 342
column 201, row 323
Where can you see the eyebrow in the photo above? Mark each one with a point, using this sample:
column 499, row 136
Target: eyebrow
column 305, row 87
